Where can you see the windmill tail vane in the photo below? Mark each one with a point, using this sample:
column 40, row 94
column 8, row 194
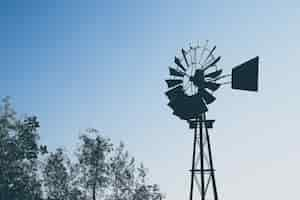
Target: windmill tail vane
column 194, row 77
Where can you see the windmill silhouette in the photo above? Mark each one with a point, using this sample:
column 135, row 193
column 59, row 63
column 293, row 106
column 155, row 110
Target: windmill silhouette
column 194, row 77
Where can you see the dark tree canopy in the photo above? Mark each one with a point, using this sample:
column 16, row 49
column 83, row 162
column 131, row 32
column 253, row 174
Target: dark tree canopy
column 93, row 156
column 56, row 177
column 19, row 151
column 99, row 170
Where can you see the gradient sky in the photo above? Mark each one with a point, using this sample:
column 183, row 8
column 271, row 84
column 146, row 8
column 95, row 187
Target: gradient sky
column 102, row 64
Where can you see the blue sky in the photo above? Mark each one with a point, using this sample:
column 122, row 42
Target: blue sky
column 102, row 64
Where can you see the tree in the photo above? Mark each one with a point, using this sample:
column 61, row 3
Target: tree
column 114, row 173
column 122, row 174
column 60, row 178
column 93, row 156
column 19, row 153
column 56, row 176
column 143, row 190
column 99, row 173
column 128, row 181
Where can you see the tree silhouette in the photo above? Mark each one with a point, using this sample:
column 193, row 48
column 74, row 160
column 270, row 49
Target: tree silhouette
column 99, row 170
column 56, row 177
column 93, row 162
column 19, row 153
column 122, row 174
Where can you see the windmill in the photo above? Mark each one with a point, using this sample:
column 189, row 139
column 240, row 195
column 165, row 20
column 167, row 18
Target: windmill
column 195, row 76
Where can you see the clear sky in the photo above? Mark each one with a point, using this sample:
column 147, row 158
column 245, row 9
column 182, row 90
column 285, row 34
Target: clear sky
column 102, row 64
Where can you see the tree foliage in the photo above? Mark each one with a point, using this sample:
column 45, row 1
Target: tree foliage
column 99, row 171
column 93, row 162
column 56, row 176
column 122, row 174
column 19, row 151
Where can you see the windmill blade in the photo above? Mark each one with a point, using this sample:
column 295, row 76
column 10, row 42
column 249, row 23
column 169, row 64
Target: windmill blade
column 188, row 107
column 221, row 77
column 181, row 115
column 214, row 74
column 179, row 108
column 209, row 98
column 184, row 56
column 210, row 53
column 178, row 63
column 173, row 82
column 175, row 92
column 213, row 63
column 174, row 72
column 173, row 105
column 212, row 85
column 197, row 105
column 178, row 103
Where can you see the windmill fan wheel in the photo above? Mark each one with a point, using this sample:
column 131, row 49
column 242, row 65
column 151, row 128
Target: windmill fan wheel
column 193, row 79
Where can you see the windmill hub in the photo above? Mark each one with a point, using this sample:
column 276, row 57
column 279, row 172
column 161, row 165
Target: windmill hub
column 198, row 79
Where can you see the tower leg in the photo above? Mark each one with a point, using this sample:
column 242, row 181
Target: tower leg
column 202, row 160
column 193, row 163
column 211, row 162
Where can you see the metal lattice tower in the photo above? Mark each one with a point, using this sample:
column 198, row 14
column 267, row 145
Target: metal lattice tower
column 202, row 171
